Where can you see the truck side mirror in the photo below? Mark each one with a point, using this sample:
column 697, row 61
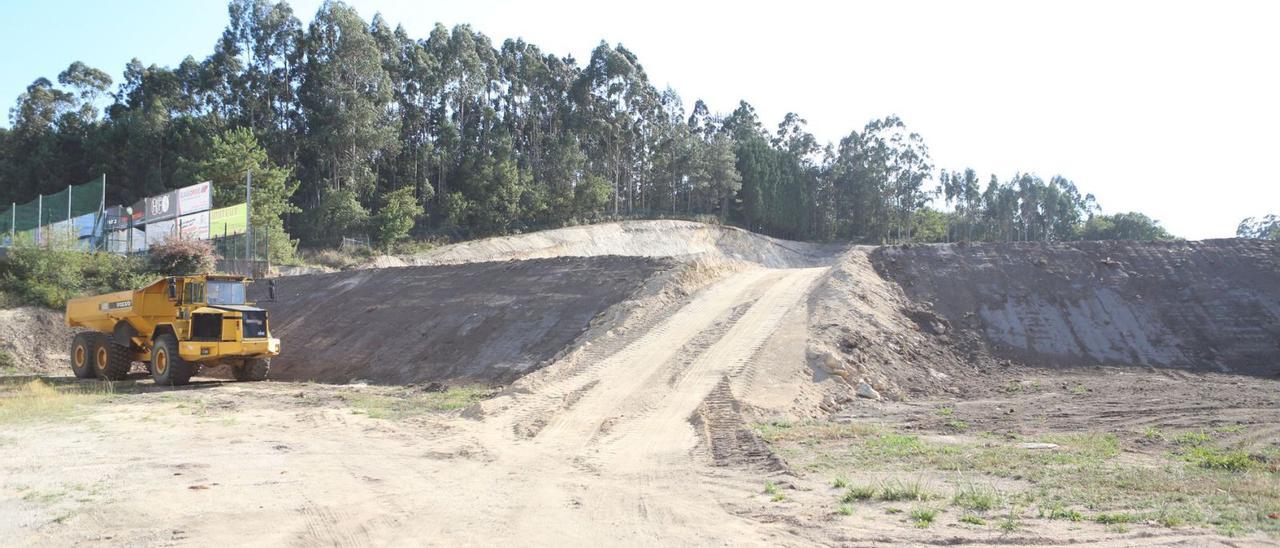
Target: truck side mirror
column 173, row 289
column 271, row 290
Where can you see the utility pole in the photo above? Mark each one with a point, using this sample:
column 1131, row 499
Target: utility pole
column 71, row 229
column 39, row 217
column 101, row 221
column 13, row 224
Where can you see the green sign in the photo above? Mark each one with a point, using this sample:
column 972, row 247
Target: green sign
column 228, row 220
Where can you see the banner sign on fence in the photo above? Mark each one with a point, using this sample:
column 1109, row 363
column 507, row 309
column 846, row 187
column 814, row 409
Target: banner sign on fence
column 228, row 221
column 84, row 225
column 157, row 231
column 162, row 207
column 194, row 226
column 195, row 198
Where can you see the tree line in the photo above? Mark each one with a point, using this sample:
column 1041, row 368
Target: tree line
column 355, row 127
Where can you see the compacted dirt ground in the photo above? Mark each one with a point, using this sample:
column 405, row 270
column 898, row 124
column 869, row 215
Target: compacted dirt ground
column 765, row 393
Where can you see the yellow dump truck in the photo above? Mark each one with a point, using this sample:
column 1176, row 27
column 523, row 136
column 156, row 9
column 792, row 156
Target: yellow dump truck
column 174, row 325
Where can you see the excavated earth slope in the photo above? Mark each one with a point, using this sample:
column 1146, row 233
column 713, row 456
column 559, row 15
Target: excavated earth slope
column 479, row 322
column 676, row 239
column 1211, row 305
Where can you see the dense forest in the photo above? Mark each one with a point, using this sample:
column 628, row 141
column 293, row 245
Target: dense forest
column 353, row 127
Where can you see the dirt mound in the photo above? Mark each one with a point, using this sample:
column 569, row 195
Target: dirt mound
column 677, row 239
column 1212, row 305
column 37, row 339
column 470, row 323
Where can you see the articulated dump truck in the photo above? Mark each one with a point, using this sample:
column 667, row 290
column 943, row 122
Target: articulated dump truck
column 174, row 326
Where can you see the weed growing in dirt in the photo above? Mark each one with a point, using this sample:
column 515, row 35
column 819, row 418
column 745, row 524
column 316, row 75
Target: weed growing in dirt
column 959, row 426
column 972, row 520
column 1231, row 429
column 840, row 483
column 770, row 488
column 779, row 431
column 859, row 493
column 1079, row 389
column 978, row 499
column 946, row 411
column 25, row 401
column 778, row 497
column 1111, row 519
column 898, row 490
column 1215, row 458
column 1192, row 438
column 845, row 510
column 1057, row 510
column 923, row 516
column 1010, row 524
column 892, row 510
column 1153, row 433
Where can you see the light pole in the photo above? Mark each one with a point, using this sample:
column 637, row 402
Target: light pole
column 128, row 238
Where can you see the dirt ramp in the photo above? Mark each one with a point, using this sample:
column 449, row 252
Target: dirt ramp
column 470, row 323
column 1211, row 305
column 677, row 239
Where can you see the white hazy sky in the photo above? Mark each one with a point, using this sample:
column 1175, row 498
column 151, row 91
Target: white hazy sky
column 1169, row 108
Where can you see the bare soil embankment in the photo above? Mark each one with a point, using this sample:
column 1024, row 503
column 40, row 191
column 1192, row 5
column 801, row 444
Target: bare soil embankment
column 682, row 240
column 1210, row 306
column 468, row 323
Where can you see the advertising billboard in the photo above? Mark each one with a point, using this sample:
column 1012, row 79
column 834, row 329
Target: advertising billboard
column 228, row 220
column 157, row 231
column 195, row 198
column 194, row 226
column 162, row 208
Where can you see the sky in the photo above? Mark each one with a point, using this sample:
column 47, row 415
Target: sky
column 1165, row 107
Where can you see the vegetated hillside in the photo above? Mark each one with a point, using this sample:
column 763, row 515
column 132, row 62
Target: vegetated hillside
column 469, row 323
column 1211, row 305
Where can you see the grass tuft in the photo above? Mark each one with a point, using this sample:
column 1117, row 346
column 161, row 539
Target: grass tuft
column 859, row 493
column 923, row 516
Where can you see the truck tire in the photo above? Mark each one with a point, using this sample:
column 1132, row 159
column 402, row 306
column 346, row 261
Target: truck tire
column 82, row 356
column 167, row 367
column 253, row 369
column 110, row 361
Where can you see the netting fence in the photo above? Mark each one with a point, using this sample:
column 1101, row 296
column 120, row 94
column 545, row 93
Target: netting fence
column 74, row 212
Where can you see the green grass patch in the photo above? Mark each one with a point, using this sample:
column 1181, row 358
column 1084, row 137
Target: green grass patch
column 957, row 425
column 1114, row 518
column 845, row 510
column 1057, row 510
column 923, row 516
column 977, row 499
column 945, row 411
column 839, row 483
column 898, row 490
column 1215, row 458
column 770, row 488
column 397, row 407
column 972, row 520
column 1192, row 439
column 859, row 493
column 37, row 400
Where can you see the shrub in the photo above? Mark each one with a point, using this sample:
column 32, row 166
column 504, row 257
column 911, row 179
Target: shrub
column 49, row 276
column 180, row 257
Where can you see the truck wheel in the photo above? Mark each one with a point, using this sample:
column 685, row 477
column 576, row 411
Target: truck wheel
column 253, row 369
column 82, row 356
column 167, row 367
column 110, row 361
